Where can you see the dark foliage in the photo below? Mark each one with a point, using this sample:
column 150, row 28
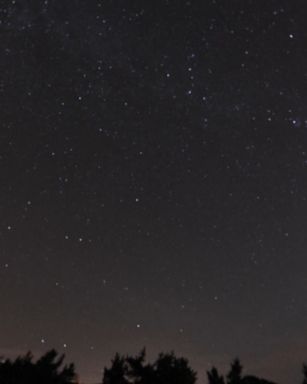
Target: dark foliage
column 254, row 380
column 305, row 373
column 117, row 373
column 166, row 369
column 214, row 377
column 48, row 369
column 234, row 376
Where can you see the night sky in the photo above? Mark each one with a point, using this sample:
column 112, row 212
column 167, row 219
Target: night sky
column 153, row 158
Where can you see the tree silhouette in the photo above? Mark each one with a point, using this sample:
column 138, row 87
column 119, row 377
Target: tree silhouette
column 254, row 380
column 139, row 371
column 305, row 374
column 214, row 377
column 19, row 371
column 235, row 374
column 117, row 374
column 48, row 370
column 167, row 369
column 172, row 370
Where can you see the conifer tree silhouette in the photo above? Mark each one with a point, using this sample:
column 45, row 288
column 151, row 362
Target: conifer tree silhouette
column 235, row 374
column 214, row 377
column 48, row 369
column 117, row 373
column 167, row 369
column 172, row 370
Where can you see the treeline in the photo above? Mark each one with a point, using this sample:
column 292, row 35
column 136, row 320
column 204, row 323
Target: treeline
column 49, row 369
column 166, row 369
